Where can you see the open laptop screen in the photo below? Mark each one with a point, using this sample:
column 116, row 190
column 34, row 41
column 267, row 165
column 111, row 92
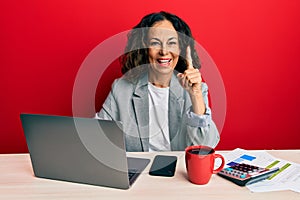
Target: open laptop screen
column 83, row 150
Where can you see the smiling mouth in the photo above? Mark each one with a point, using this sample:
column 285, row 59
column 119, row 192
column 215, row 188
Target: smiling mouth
column 164, row 61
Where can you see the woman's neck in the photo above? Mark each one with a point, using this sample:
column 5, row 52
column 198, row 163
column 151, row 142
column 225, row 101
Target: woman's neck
column 161, row 81
column 159, row 85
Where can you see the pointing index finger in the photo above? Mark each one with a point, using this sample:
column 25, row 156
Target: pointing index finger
column 189, row 58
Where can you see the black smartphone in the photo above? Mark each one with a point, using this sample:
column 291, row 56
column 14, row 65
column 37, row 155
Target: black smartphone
column 163, row 166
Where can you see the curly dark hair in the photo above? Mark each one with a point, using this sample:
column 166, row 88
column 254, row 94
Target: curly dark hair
column 136, row 51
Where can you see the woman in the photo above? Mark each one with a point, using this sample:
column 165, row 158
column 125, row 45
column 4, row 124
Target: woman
column 161, row 99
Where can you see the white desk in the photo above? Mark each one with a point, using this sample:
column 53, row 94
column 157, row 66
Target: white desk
column 17, row 182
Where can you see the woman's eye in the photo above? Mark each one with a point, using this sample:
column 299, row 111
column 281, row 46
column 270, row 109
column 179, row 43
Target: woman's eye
column 154, row 43
column 172, row 43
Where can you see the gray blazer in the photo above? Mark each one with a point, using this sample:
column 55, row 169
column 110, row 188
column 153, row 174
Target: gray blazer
column 128, row 102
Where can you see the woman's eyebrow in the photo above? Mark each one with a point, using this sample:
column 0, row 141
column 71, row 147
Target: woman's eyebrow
column 172, row 38
column 155, row 39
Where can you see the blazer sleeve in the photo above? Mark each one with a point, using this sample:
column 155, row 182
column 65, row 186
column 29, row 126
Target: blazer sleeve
column 201, row 129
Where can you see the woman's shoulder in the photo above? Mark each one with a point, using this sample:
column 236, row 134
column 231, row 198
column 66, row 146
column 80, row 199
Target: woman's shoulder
column 121, row 84
column 131, row 80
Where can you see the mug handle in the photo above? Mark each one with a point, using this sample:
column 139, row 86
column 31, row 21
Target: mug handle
column 222, row 165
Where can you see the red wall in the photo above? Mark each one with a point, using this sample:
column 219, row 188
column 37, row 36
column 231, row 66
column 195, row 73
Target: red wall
column 255, row 45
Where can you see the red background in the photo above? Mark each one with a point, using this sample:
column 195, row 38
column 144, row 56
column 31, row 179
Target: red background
column 255, row 45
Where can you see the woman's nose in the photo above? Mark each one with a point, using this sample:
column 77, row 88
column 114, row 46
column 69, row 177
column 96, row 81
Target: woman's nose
column 163, row 50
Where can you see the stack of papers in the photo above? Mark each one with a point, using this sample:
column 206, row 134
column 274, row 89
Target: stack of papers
column 287, row 178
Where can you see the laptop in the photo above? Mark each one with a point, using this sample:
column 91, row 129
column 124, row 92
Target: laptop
column 81, row 150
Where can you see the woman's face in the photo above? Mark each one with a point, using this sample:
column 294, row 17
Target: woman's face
column 163, row 47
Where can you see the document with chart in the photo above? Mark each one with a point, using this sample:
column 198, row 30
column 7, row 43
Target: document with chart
column 286, row 178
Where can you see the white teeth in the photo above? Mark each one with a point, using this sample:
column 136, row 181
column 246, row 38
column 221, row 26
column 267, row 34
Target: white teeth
column 164, row 61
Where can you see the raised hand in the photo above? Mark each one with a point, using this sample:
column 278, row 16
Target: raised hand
column 190, row 79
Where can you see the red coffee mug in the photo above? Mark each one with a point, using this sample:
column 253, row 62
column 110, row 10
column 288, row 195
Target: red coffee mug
column 200, row 162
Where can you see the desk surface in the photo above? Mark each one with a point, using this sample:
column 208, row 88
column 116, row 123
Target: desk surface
column 18, row 182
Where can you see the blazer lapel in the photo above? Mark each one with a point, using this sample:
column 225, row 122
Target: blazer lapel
column 141, row 108
column 176, row 104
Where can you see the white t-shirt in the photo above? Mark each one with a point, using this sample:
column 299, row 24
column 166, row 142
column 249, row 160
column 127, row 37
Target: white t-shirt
column 159, row 139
